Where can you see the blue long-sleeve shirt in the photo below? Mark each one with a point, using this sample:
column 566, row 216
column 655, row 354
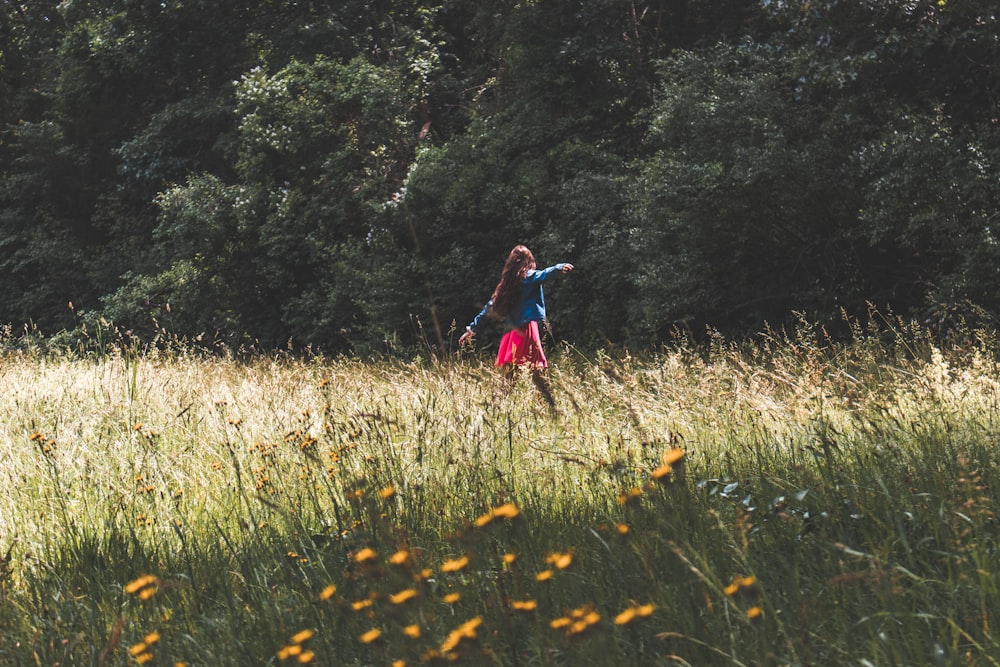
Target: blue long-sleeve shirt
column 531, row 305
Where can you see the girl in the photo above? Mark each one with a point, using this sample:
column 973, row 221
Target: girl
column 519, row 301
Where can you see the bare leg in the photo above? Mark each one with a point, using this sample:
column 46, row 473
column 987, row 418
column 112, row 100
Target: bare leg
column 541, row 380
column 508, row 378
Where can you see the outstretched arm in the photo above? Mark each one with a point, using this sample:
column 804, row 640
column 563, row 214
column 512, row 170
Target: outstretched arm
column 536, row 276
column 470, row 330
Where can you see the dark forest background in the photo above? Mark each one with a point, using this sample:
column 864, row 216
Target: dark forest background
column 350, row 174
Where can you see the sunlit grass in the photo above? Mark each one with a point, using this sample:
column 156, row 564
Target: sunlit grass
column 791, row 502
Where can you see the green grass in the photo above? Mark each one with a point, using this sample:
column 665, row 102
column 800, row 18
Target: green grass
column 854, row 483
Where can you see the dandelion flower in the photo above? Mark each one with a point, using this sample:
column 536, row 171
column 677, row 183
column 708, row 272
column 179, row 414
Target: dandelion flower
column 327, row 592
column 370, row 636
column 387, row 492
column 560, row 623
column 306, row 657
column 451, row 598
column 412, row 631
column 455, row 565
column 544, row 575
column 143, row 658
column 362, row 604
column 754, row 613
column 136, row 649
column 523, row 605
column 622, row 529
column 645, row 610
column 365, row 555
column 508, row 559
column 302, row 636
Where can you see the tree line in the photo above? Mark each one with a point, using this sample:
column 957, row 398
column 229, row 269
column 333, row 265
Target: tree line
column 350, row 175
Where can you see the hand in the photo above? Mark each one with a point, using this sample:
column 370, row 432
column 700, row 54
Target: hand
column 465, row 338
column 566, row 268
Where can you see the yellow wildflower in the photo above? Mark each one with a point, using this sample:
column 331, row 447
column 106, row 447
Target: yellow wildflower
column 302, row 636
column 365, row 555
column 560, row 560
column 147, row 580
column 662, row 473
column 400, row 558
column 561, row 622
column 467, row 630
column 370, row 636
column 673, row 456
column 625, row 617
column 455, row 565
column 403, row 596
column 507, row 511
column 629, row 497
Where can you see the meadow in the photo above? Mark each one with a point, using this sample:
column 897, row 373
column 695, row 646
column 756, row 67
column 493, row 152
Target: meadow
column 794, row 501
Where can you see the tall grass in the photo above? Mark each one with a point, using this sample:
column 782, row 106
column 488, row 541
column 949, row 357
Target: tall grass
column 788, row 502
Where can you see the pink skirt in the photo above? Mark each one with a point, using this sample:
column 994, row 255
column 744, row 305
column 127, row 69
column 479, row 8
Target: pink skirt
column 522, row 346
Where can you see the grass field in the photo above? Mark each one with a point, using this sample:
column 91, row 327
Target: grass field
column 793, row 502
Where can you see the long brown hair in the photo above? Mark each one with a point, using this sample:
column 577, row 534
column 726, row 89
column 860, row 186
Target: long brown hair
column 508, row 290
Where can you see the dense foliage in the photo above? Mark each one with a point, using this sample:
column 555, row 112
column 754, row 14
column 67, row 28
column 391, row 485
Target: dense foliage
column 351, row 174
